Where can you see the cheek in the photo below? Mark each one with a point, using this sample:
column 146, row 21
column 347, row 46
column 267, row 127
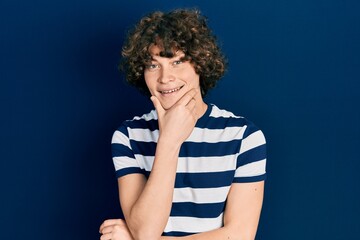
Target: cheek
column 193, row 80
column 190, row 77
column 149, row 80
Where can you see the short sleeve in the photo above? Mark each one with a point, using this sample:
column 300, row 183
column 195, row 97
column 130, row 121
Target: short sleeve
column 123, row 157
column 251, row 161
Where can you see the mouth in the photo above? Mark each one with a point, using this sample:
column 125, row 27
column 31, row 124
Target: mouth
column 171, row 90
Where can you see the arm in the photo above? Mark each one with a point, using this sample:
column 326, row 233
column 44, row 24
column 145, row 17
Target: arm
column 241, row 215
column 146, row 204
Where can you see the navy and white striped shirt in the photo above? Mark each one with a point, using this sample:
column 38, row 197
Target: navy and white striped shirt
column 222, row 149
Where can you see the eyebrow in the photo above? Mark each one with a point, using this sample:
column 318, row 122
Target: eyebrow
column 153, row 59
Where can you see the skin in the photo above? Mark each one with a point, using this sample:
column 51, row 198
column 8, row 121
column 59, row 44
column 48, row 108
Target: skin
column 176, row 96
column 169, row 79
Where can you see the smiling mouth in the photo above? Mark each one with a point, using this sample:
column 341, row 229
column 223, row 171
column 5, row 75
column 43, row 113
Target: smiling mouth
column 171, row 91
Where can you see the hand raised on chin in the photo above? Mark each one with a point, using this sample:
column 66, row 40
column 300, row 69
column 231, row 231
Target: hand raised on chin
column 177, row 122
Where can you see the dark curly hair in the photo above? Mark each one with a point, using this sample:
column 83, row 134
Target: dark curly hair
column 181, row 29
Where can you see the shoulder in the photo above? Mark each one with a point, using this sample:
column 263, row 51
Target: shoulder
column 145, row 122
column 217, row 112
column 225, row 119
column 227, row 116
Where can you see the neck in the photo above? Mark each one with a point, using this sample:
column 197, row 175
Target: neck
column 201, row 107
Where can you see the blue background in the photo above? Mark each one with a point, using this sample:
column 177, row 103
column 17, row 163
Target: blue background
column 294, row 71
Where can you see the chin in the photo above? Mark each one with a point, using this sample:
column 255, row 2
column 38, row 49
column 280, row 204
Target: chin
column 166, row 106
column 168, row 103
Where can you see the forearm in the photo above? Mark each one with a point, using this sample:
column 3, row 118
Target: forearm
column 241, row 217
column 148, row 216
column 228, row 233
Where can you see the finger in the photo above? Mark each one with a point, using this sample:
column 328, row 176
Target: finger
column 107, row 229
column 106, row 236
column 191, row 105
column 192, row 108
column 159, row 108
column 110, row 222
column 188, row 96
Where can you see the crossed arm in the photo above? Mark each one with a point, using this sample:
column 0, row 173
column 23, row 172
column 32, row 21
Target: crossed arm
column 241, row 215
column 240, row 218
column 143, row 222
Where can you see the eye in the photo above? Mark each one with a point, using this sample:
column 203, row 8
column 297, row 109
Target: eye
column 177, row 62
column 152, row 67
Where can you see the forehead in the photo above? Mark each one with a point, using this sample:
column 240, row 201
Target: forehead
column 154, row 50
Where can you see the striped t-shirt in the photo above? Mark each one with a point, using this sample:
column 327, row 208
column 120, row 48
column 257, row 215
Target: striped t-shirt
column 222, row 149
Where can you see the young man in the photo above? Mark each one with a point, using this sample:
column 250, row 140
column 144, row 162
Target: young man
column 187, row 169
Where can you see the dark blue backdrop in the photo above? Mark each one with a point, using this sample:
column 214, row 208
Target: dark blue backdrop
column 294, row 71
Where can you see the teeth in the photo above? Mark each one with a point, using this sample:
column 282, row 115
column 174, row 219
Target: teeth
column 170, row 91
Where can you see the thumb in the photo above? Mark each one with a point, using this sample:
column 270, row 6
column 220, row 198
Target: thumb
column 159, row 109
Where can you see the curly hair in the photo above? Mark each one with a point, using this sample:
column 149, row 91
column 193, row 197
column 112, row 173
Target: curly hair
column 181, row 29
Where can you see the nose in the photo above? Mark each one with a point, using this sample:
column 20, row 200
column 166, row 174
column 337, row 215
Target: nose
column 166, row 75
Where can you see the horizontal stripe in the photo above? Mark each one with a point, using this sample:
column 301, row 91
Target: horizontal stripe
column 250, row 129
column 176, row 234
column 216, row 113
column 255, row 139
column 209, row 149
column 213, row 120
column 221, row 123
column 119, row 150
column 192, row 180
column 189, row 149
column 126, row 171
column 251, row 169
column 143, row 148
column 197, row 164
column 144, row 135
column 124, row 162
column 204, row 135
column 148, row 116
column 253, row 155
column 207, row 164
column 146, row 161
column 193, row 225
column 200, row 180
column 198, row 135
column 120, row 136
column 204, row 180
column 250, row 179
column 142, row 124
column 203, row 210
column 200, row 195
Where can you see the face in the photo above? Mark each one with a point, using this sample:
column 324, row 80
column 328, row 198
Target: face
column 169, row 79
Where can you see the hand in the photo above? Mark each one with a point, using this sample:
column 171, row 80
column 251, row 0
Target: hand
column 177, row 122
column 114, row 229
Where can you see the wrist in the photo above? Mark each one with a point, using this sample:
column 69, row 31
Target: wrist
column 168, row 144
column 167, row 150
